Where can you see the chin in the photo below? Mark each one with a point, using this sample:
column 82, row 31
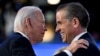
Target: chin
column 40, row 40
column 65, row 41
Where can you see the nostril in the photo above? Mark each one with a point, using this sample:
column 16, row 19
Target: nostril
column 57, row 30
column 45, row 29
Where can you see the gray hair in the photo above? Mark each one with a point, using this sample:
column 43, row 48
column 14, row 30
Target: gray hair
column 27, row 11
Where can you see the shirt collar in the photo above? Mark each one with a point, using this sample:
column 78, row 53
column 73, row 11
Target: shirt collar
column 23, row 35
column 78, row 36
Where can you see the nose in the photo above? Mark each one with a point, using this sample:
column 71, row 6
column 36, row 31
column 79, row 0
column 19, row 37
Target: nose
column 57, row 29
column 45, row 28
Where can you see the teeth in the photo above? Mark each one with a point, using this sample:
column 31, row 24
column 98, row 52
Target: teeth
column 62, row 34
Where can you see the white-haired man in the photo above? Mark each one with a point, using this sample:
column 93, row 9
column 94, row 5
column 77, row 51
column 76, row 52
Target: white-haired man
column 29, row 28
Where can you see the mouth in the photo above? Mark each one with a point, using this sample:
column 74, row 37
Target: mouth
column 62, row 34
column 43, row 32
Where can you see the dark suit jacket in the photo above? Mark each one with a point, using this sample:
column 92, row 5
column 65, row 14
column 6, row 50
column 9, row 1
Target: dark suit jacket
column 91, row 51
column 16, row 45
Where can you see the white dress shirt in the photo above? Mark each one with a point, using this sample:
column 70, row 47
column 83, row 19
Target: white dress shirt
column 75, row 39
column 23, row 35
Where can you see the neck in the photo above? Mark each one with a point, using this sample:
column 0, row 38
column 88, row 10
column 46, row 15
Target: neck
column 81, row 30
column 76, row 32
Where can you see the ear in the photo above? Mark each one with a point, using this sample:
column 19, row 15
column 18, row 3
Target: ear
column 75, row 22
column 28, row 22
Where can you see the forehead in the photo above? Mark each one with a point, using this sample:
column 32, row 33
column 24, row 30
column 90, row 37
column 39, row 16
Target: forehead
column 60, row 15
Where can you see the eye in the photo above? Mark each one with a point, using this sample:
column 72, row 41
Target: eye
column 59, row 22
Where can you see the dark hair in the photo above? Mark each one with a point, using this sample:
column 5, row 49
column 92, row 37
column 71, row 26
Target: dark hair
column 75, row 9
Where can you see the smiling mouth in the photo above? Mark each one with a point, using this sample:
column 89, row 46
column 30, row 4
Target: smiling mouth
column 61, row 34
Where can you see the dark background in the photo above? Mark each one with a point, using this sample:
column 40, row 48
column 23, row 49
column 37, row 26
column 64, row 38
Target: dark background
column 91, row 5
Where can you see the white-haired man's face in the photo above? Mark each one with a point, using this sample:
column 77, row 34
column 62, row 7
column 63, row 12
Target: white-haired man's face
column 36, row 28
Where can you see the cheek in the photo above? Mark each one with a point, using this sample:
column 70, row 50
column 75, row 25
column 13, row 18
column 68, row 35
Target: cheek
column 39, row 28
column 67, row 28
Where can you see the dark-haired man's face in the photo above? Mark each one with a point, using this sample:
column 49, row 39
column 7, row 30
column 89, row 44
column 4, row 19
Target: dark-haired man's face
column 64, row 26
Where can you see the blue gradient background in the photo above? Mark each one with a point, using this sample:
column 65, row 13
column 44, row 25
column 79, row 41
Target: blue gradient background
column 48, row 49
